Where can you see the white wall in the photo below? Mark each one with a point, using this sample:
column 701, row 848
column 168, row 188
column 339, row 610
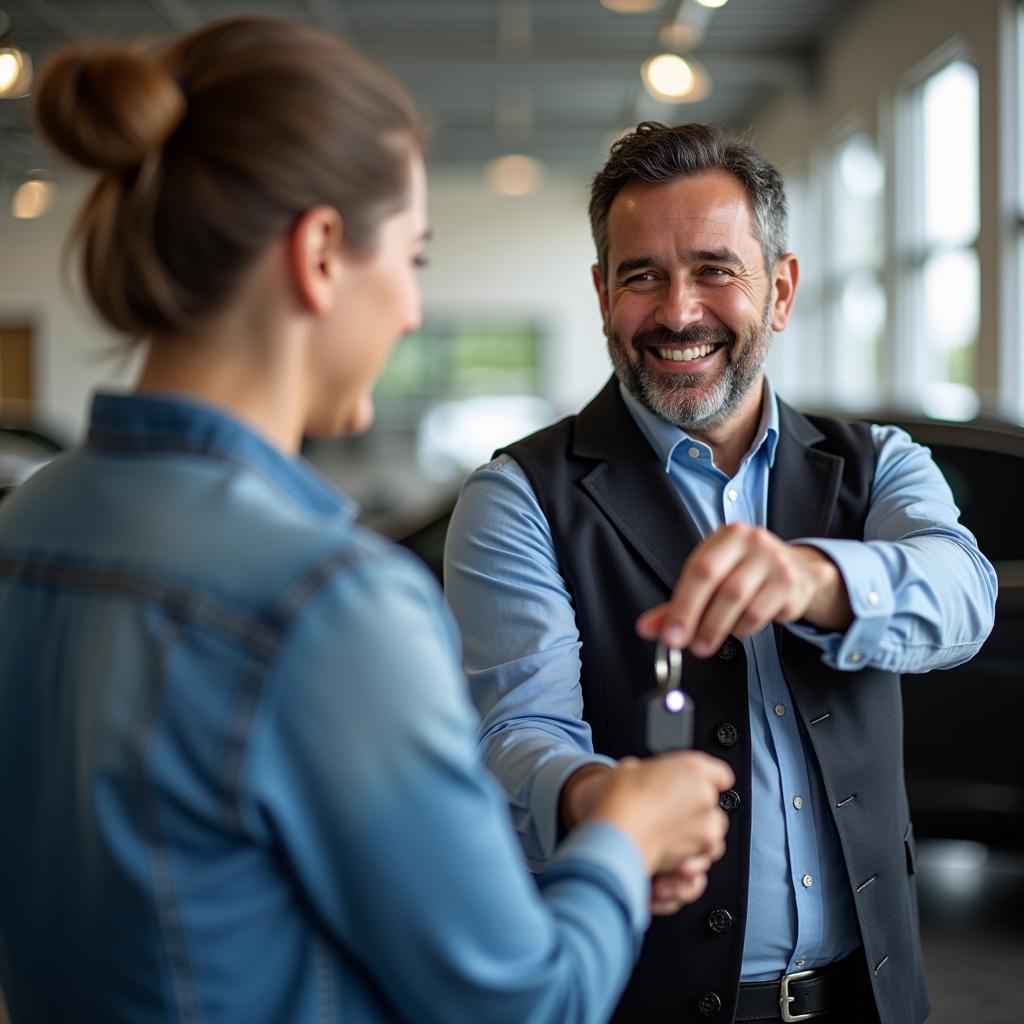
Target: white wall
column 529, row 255
column 72, row 351
column 526, row 258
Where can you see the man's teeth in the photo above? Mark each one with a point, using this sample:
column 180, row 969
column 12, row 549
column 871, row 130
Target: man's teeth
column 686, row 354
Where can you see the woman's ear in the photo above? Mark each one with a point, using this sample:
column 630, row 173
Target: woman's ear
column 315, row 258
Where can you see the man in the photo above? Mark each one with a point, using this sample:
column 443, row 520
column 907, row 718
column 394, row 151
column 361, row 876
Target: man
column 800, row 563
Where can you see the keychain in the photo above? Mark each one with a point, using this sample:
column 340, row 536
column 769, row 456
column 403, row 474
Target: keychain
column 667, row 712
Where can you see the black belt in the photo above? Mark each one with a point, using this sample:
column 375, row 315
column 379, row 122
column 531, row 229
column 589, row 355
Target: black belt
column 804, row 995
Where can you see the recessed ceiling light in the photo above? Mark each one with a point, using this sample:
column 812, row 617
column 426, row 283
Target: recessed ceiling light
column 712, row 3
column 632, row 6
column 32, row 199
column 515, row 175
column 673, row 79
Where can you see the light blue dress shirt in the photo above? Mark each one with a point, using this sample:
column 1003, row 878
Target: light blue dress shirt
column 922, row 597
column 238, row 763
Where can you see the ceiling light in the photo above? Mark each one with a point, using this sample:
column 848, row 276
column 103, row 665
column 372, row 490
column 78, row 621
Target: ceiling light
column 712, row 3
column 32, row 199
column 15, row 73
column 667, row 76
column 515, row 175
column 632, row 6
column 671, row 79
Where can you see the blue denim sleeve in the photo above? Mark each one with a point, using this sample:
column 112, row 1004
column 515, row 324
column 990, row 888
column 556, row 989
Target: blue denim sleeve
column 366, row 763
column 521, row 647
column 922, row 594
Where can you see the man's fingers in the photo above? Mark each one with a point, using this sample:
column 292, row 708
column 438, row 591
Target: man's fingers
column 711, row 561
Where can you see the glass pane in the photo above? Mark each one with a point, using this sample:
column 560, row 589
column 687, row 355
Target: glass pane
column 949, row 104
column 858, row 180
column 859, row 322
column 950, row 310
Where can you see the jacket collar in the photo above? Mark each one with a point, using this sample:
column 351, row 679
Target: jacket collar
column 168, row 423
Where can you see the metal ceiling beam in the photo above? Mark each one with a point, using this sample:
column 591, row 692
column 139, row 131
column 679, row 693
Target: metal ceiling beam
column 60, row 22
column 328, row 14
column 178, row 13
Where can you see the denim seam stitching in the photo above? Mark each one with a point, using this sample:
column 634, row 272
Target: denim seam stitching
column 178, row 603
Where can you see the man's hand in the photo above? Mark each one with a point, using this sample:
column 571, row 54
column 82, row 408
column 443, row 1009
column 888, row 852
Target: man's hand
column 740, row 579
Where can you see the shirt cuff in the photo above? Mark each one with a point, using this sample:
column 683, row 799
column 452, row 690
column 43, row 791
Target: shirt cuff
column 546, row 790
column 871, row 600
column 614, row 857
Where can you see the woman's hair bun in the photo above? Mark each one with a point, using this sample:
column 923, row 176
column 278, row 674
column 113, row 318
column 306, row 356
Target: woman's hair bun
column 107, row 109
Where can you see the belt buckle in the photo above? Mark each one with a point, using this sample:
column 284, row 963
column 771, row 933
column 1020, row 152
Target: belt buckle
column 785, row 998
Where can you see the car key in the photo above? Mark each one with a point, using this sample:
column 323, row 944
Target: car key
column 667, row 712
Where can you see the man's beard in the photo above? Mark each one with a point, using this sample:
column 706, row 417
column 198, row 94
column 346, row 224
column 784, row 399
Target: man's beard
column 690, row 400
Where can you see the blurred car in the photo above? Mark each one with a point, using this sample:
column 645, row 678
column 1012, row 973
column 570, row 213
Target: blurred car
column 963, row 726
column 23, row 450
column 965, row 769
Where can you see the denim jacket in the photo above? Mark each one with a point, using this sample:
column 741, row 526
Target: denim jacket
column 238, row 774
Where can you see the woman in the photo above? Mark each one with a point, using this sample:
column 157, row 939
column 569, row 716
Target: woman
column 234, row 742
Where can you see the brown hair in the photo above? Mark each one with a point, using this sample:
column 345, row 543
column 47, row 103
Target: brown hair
column 211, row 151
column 655, row 152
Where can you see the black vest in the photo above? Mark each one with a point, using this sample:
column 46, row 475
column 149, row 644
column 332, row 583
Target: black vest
column 621, row 534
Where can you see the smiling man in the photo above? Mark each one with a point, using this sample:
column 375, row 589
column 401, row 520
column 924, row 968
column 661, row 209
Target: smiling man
column 802, row 563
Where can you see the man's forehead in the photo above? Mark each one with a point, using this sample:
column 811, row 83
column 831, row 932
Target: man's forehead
column 712, row 203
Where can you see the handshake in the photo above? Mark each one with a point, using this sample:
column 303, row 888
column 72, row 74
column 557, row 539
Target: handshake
column 668, row 805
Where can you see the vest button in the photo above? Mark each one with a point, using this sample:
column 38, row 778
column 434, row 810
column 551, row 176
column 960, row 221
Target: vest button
column 729, row 649
column 720, row 921
column 709, row 1004
column 729, row 800
column 727, row 734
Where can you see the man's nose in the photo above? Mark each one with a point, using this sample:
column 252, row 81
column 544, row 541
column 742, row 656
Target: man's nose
column 680, row 305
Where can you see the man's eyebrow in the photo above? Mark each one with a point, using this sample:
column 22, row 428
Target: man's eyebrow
column 715, row 256
column 724, row 255
column 634, row 263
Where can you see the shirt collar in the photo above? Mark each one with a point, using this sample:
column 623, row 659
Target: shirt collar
column 166, row 422
column 665, row 437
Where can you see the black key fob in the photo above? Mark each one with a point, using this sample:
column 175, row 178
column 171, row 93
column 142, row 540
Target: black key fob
column 667, row 713
column 668, row 721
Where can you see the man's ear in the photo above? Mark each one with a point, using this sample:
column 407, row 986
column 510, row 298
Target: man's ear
column 784, row 280
column 602, row 296
column 315, row 258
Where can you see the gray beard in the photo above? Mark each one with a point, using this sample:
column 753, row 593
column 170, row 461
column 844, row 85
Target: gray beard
column 676, row 397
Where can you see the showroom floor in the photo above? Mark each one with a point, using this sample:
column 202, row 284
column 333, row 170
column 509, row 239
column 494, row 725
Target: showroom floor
column 972, row 923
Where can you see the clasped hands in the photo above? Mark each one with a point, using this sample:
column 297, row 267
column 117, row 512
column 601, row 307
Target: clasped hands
column 736, row 581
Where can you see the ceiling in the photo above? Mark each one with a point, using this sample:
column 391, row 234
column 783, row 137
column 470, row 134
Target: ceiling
column 555, row 79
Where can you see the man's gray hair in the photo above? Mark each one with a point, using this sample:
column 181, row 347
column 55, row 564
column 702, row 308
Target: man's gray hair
column 654, row 152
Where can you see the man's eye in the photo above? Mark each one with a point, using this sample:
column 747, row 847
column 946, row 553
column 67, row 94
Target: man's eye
column 640, row 278
column 715, row 272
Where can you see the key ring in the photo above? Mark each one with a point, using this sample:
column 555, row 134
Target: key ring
column 668, row 666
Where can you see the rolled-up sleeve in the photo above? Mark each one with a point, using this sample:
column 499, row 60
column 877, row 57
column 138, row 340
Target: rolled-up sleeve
column 922, row 594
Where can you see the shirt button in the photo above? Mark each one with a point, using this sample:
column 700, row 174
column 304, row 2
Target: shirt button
column 800, row 963
column 694, row 453
column 709, row 1004
column 727, row 734
column 798, row 802
column 780, row 709
column 732, row 495
column 856, row 656
column 807, row 881
column 873, row 598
